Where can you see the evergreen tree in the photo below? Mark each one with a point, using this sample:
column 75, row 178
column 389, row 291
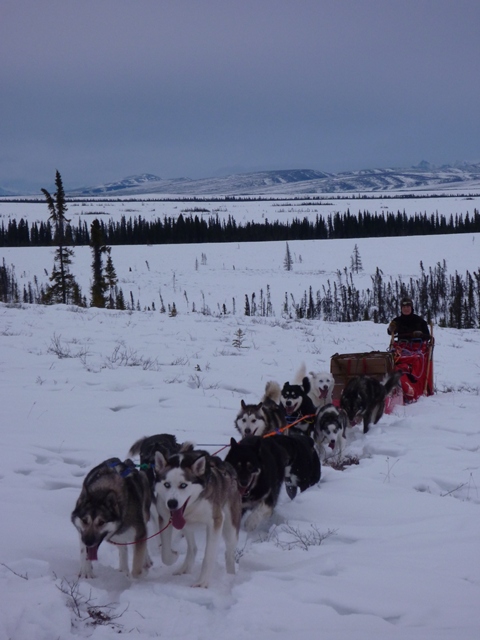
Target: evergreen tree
column 63, row 288
column 99, row 283
column 247, row 306
column 356, row 261
column 111, row 279
column 287, row 261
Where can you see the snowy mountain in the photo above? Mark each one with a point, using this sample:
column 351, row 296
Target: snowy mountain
column 258, row 182
column 424, row 176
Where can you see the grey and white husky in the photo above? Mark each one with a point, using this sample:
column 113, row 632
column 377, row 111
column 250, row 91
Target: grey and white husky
column 193, row 487
column 329, row 431
column 114, row 505
column 262, row 418
column 363, row 398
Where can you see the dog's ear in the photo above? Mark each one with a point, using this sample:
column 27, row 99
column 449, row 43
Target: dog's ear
column 160, row 462
column 306, row 384
column 233, row 442
column 243, row 404
column 199, row 466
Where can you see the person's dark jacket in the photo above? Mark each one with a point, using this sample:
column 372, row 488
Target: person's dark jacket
column 409, row 326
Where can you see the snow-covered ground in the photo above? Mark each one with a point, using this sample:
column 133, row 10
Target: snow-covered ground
column 387, row 548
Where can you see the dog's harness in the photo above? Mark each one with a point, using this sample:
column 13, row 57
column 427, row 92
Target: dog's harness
column 307, row 418
column 123, row 469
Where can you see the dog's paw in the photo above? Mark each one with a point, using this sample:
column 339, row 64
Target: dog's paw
column 203, row 584
column 183, row 569
column 86, row 570
column 169, row 556
column 251, row 523
column 148, row 562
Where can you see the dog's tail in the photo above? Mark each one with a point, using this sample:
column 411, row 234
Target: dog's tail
column 300, row 375
column 391, row 381
column 272, row 392
column 135, row 448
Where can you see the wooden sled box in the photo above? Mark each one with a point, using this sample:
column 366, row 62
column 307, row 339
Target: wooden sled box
column 348, row 365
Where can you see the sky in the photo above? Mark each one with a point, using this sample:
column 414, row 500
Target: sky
column 387, row 548
column 105, row 90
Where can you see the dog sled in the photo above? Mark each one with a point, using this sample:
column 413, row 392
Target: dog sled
column 413, row 357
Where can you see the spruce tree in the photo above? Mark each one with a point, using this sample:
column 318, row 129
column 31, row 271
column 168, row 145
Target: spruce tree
column 63, row 288
column 356, row 261
column 287, row 261
column 99, row 284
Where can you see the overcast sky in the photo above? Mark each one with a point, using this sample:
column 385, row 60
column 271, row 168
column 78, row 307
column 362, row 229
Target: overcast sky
column 104, row 89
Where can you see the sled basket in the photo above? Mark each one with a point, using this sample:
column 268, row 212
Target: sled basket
column 345, row 366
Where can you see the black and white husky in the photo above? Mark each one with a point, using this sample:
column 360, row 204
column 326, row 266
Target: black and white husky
column 299, row 408
column 302, row 469
column 260, row 466
column 193, row 487
column 330, row 430
column 363, row 398
column 264, row 417
column 113, row 505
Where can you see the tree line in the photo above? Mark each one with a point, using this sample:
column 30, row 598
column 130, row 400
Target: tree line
column 444, row 299
column 191, row 228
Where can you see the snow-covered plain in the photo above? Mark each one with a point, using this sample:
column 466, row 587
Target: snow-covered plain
column 388, row 548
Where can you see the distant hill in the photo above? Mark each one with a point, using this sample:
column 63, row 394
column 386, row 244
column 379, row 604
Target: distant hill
column 424, row 176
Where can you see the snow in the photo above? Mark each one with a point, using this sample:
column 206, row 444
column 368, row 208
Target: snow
column 394, row 540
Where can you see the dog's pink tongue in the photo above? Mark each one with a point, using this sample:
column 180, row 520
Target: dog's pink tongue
column 178, row 521
column 331, row 444
column 92, row 553
column 322, row 393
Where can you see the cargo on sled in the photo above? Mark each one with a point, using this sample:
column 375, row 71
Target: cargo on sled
column 413, row 357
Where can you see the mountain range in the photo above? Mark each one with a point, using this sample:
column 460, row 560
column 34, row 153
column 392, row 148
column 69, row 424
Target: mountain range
column 422, row 177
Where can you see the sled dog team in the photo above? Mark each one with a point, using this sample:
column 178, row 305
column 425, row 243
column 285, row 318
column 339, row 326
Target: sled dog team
column 188, row 486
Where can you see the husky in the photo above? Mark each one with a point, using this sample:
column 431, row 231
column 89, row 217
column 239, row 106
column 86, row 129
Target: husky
column 146, row 448
column 193, row 487
column 363, row 398
column 264, row 417
column 260, row 466
column 330, row 429
column 321, row 385
column 114, row 505
column 302, row 468
column 298, row 405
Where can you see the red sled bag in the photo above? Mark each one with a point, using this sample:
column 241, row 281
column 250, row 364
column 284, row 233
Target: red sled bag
column 415, row 359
